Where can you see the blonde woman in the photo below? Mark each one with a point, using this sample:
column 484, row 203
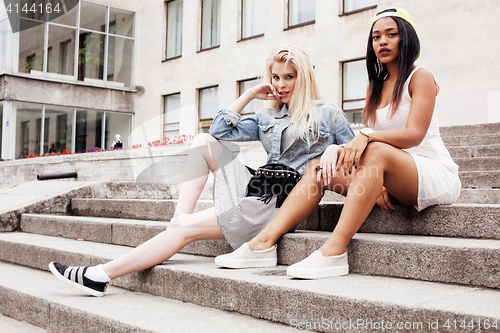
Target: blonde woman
column 296, row 129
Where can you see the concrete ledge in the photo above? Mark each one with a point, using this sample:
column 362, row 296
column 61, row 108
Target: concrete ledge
column 37, row 297
column 491, row 163
column 472, row 140
column 475, row 151
column 457, row 220
column 480, row 179
column 269, row 294
column 462, row 130
column 441, row 259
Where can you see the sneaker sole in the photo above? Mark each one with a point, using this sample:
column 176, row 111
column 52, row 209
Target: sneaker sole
column 245, row 263
column 58, row 275
column 313, row 274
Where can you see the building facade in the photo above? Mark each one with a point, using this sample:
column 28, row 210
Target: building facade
column 149, row 69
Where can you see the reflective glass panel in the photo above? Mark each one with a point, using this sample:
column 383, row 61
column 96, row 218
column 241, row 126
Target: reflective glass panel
column 210, row 23
column 120, row 61
column 88, row 134
column 118, row 123
column 59, row 129
column 172, row 115
column 252, row 18
column 28, row 120
column 61, row 50
column 31, row 49
column 93, row 16
column 174, row 28
column 121, row 22
column 300, row 11
column 91, row 57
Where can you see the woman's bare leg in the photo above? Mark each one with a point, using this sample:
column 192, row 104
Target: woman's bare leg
column 185, row 227
column 380, row 165
column 299, row 204
column 203, row 157
column 184, row 230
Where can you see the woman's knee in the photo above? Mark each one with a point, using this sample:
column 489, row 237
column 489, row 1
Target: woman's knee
column 375, row 153
column 203, row 139
column 311, row 169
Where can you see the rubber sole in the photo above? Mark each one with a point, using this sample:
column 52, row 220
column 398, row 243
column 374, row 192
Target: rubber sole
column 317, row 273
column 245, row 263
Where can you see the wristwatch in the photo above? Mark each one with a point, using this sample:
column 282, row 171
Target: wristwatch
column 368, row 132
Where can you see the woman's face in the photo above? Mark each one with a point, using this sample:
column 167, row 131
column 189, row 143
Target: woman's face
column 385, row 40
column 283, row 79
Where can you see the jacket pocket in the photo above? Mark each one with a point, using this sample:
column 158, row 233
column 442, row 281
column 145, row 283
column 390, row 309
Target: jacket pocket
column 266, row 136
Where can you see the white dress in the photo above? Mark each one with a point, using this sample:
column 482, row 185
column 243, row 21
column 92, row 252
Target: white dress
column 438, row 181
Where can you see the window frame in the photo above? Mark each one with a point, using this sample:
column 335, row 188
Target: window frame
column 298, row 25
column 354, row 11
column 241, row 38
column 77, row 27
column 164, row 131
column 343, row 88
column 239, row 82
column 165, row 55
column 207, row 121
column 201, row 48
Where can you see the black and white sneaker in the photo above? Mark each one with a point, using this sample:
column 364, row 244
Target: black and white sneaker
column 75, row 276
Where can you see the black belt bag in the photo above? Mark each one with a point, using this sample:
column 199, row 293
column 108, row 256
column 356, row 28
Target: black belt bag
column 272, row 179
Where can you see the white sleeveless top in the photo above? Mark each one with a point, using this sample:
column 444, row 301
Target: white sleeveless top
column 438, row 181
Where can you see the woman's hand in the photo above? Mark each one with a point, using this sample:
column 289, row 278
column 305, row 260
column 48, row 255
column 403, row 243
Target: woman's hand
column 327, row 164
column 350, row 156
column 384, row 200
column 264, row 91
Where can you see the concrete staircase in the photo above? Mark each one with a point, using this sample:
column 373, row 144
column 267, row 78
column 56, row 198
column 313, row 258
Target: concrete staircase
column 437, row 270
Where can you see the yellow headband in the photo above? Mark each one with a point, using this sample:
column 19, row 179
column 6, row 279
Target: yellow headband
column 399, row 12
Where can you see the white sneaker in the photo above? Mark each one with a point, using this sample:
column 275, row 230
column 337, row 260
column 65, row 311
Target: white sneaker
column 317, row 266
column 243, row 257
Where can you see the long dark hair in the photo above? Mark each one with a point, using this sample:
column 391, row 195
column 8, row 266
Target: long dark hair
column 409, row 49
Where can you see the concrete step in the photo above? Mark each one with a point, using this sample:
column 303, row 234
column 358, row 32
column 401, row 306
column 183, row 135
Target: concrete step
column 10, row 325
column 472, row 140
column 262, row 293
column 143, row 209
column 480, row 179
column 448, row 221
column 467, row 195
column 491, row 163
column 463, row 130
column 37, row 297
column 475, row 151
column 457, row 220
column 416, row 257
column 489, row 196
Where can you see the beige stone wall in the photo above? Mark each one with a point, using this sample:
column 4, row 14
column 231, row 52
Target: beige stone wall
column 460, row 45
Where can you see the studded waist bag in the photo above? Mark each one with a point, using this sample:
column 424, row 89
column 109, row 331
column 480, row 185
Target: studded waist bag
column 272, row 179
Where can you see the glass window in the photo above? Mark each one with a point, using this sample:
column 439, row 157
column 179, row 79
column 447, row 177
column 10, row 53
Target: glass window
column 174, row 28
column 118, row 123
column 255, row 104
column 58, row 129
column 31, row 49
column 172, row 115
column 252, row 18
column 63, row 14
column 93, row 16
column 91, row 57
column 300, row 11
column 61, row 50
column 354, row 83
column 208, row 107
column 210, row 23
column 120, row 52
column 88, row 134
column 352, row 5
column 28, row 120
column 31, row 9
column 121, row 22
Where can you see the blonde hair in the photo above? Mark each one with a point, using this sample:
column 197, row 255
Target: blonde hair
column 305, row 116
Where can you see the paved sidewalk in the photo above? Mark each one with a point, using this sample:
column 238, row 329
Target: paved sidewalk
column 21, row 195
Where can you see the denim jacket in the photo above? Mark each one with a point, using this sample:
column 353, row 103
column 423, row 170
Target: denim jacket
column 267, row 126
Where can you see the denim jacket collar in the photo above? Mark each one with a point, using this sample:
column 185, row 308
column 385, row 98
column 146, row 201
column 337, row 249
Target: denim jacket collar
column 283, row 113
